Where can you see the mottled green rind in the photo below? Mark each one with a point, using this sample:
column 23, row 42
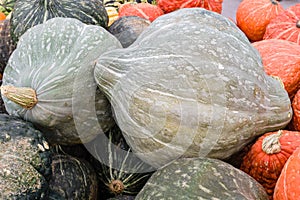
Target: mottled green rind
column 72, row 178
column 28, row 13
column 202, row 179
column 191, row 85
column 19, row 180
column 57, row 60
column 20, row 139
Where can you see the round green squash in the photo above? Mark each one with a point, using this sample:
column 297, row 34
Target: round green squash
column 25, row 160
column 49, row 80
column 28, row 13
column 191, row 85
column 201, row 178
column 72, row 178
column 128, row 28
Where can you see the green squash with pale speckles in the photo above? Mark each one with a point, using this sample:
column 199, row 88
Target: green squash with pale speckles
column 202, row 179
column 191, row 85
column 49, row 80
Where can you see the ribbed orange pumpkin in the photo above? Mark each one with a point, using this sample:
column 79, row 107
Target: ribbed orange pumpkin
column 288, row 184
column 285, row 26
column 171, row 5
column 281, row 58
column 252, row 17
column 268, row 155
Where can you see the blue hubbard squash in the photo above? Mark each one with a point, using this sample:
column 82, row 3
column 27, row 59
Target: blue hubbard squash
column 191, row 85
column 49, row 80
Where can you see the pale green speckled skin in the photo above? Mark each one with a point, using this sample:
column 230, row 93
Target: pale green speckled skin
column 57, row 60
column 191, row 85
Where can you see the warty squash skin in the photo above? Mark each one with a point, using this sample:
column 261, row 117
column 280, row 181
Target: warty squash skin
column 52, row 70
column 191, row 85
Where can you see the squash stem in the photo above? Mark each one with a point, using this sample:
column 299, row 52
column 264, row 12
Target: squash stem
column 271, row 144
column 23, row 96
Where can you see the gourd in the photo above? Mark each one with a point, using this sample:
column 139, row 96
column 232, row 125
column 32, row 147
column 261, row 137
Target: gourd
column 285, row 26
column 49, row 80
column 87, row 11
column 72, row 178
column 268, row 155
column 128, row 28
column 288, row 183
column 281, row 58
column 6, row 6
column 252, row 17
column 201, row 178
column 191, row 85
column 295, row 122
column 25, row 160
column 120, row 172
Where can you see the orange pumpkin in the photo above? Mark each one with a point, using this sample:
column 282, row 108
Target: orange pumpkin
column 143, row 10
column 281, row 58
column 252, row 17
column 2, row 16
column 285, row 26
column 172, row 5
column 288, row 184
column 268, row 155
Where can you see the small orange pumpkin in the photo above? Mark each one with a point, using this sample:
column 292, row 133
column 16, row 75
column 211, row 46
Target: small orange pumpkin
column 288, row 183
column 252, row 17
column 172, row 5
column 285, row 26
column 281, row 58
column 268, row 155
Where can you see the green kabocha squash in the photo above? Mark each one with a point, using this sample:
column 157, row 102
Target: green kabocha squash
column 72, row 178
column 121, row 173
column 28, row 13
column 128, row 28
column 25, row 160
column 49, row 80
column 201, row 178
column 191, row 85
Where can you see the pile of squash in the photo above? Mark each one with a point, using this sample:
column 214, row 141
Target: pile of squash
column 136, row 100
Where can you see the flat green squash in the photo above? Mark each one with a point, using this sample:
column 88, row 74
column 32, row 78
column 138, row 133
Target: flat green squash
column 191, row 85
column 202, row 179
column 49, row 80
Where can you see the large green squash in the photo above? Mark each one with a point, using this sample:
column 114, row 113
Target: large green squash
column 203, row 179
column 49, row 80
column 25, row 160
column 28, row 13
column 191, row 85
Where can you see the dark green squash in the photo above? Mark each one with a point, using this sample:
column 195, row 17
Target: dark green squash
column 25, row 159
column 120, row 172
column 6, row 44
column 28, row 13
column 128, row 28
column 201, row 178
column 72, row 178
column 191, row 85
